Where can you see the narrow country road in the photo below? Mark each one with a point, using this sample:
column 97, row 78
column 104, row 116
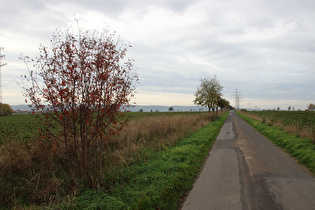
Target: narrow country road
column 246, row 171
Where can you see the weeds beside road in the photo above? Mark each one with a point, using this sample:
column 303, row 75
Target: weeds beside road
column 303, row 149
column 158, row 181
column 149, row 165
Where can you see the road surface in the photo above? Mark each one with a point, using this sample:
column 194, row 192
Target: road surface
column 246, row 171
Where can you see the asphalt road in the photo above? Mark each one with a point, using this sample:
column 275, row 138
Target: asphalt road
column 246, row 171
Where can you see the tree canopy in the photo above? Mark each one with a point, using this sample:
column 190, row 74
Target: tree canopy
column 209, row 93
column 5, row 109
column 224, row 104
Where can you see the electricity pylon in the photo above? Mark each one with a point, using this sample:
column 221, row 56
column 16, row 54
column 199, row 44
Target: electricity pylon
column 237, row 96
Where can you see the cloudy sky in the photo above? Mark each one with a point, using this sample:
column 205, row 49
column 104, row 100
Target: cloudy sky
column 264, row 48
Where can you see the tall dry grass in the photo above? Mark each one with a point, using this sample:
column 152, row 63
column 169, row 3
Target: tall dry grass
column 26, row 173
column 154, row 132
column 31, row 171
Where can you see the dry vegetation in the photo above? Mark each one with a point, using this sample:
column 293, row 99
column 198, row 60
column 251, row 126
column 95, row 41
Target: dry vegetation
column 152, row 132
column 30, row 171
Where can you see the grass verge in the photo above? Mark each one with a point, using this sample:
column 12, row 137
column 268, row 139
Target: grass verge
column 159, row 181
column 299, row 148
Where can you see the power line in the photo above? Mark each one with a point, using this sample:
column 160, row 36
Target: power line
column 1, row 56
column 237, row 97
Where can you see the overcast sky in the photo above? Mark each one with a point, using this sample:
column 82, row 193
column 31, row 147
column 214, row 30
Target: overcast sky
column 264, row 48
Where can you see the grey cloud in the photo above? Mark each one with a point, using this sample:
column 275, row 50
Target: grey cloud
column 265, row 48
column 114, row 8
column 176, row 5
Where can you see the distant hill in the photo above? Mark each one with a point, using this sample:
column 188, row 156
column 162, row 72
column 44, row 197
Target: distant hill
column 21, row 107
column 137, row 108
column 166, row 108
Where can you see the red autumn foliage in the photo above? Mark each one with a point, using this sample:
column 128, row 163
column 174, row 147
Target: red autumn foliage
column 83, row 86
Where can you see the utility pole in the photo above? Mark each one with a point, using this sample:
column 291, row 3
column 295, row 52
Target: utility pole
column 1, row 56
column 237, row 97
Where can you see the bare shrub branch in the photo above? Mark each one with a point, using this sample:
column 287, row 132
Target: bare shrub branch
column 83, row 84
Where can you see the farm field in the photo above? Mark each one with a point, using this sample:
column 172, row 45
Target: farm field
column 17, row 128
column 24, row 127
column 299, row 123
column 26, row 181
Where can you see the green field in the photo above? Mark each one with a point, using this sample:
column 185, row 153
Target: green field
column 17, row 128
column 299, row 123
column 24, row 127
column 301, row 119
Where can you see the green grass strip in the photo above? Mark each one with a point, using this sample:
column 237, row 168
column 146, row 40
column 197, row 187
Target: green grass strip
column 161, row 181
column 300, row 148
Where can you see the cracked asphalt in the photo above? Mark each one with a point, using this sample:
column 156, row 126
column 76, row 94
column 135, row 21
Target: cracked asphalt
column 246, row 171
